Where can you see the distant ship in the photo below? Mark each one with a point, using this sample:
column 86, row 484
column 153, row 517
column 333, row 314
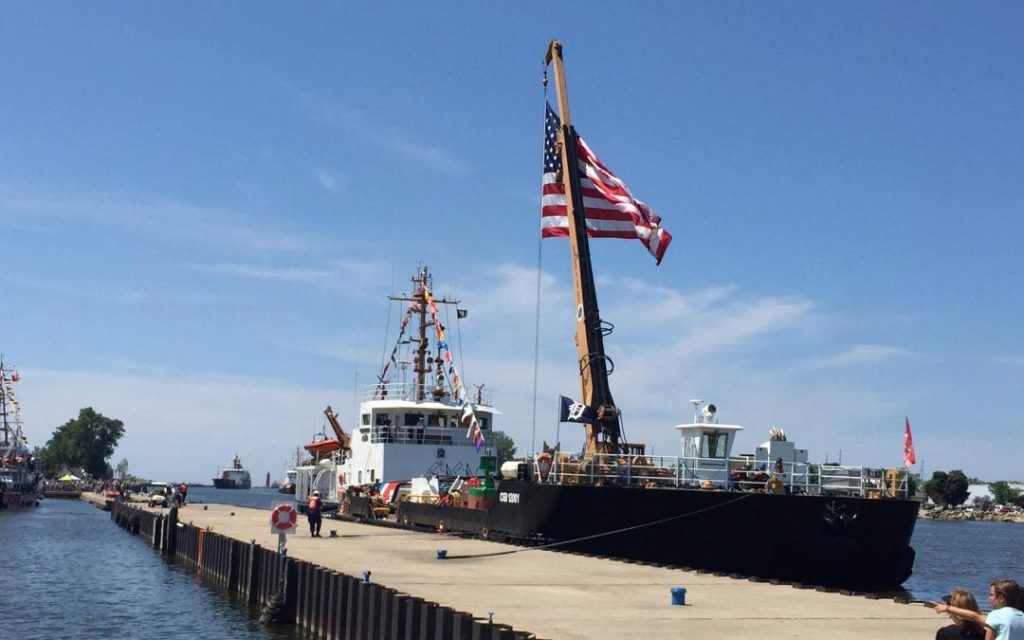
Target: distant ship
column 233, row 477
column 20, row 481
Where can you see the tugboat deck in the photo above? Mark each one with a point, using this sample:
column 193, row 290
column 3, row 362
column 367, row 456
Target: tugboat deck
column 563, row 596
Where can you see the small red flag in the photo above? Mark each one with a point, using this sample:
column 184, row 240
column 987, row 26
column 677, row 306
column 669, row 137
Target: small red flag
column 908, row 447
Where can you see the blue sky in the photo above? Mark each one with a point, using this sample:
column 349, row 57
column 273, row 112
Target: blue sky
column 203, row 207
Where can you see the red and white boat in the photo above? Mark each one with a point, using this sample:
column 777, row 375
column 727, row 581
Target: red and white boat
column 420, row 419
column 20, row 482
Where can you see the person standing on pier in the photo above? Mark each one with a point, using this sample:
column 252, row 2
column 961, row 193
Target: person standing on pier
column 313, row 508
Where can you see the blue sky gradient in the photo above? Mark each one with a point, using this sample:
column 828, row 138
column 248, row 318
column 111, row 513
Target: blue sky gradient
column 203, row 207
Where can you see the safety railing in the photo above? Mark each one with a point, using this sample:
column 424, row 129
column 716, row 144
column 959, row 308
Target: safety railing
column 429, row 393
column 439, row 436
column 735, row 474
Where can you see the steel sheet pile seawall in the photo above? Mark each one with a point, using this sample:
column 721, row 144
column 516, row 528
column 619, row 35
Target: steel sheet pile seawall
column 325, row 602
column 557, row 595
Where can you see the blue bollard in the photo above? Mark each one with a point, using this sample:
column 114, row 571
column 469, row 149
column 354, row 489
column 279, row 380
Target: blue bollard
column 442, row 554
column 678, row 595
column 366, row 577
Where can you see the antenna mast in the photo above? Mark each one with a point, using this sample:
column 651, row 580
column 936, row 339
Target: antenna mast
column 422, row 281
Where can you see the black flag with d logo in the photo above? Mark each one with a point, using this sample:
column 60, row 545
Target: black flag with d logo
column 572, row 411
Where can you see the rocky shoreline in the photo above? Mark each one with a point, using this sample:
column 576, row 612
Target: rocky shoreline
column 970, row 515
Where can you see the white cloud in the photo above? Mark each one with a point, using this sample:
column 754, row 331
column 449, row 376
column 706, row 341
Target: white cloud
column 361, row 126
column 861, row 354
column 1013, row 361
column 181, row 426
column 153, row 216
column 356, row 278
column 328, row 180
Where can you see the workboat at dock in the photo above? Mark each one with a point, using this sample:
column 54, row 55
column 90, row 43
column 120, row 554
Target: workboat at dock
column 420, row 418
column 771, row 514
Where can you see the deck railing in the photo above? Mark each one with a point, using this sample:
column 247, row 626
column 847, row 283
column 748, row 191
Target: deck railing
column 736, row 474
column 407, row 391
column 442, row 436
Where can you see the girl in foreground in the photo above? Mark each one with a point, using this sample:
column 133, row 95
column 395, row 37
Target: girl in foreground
column 1005, row 621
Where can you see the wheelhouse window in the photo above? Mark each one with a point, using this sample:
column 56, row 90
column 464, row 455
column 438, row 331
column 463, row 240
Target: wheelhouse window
column 714, row 445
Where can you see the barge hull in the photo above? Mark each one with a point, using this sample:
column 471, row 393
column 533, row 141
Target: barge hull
column 853, row 543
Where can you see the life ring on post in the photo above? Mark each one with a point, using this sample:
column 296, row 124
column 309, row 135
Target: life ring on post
column 441, row 526
column 544, row 466
column 341, row 479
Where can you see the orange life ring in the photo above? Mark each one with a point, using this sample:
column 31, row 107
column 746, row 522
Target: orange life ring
column 544, row 465
column 283, row 518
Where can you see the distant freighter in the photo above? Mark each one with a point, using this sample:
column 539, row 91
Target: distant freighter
column 233, row 477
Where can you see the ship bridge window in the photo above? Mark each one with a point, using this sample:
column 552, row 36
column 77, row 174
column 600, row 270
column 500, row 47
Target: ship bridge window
column 366, row 419
column 485, row 422
column 381, row 419
column 434, row 420
column 412, row 419
column 714, row 445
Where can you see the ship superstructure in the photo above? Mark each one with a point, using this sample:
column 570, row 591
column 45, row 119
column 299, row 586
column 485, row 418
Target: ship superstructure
column 20, row 480
column 419, row 418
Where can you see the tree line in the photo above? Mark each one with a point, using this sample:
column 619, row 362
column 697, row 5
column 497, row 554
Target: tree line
column 85, row 442
column 952, row 490
column 88, row 441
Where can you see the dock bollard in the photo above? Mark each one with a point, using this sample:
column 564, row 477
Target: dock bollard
column 333, row 533
column 366, row 577
column 678, row 595
column 442, row 554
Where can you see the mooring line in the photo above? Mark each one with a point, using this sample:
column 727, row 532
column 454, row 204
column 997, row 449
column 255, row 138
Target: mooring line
column 599, row 535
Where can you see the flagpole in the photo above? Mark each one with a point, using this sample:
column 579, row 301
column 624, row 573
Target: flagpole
column 593, row 362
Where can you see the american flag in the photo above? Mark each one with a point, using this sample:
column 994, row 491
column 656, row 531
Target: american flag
column 611, row 210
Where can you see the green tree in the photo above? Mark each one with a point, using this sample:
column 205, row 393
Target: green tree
column 958, row 489
column 937, row 487
column 1003, row 493
column 505, row 446
column 85, row 442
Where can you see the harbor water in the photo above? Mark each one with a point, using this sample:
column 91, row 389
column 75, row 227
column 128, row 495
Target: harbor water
column 69, row 572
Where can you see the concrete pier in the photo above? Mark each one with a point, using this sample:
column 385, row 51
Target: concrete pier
column 554, row 595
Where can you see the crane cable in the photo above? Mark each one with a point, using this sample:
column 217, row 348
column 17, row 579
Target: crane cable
column 594, row 536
